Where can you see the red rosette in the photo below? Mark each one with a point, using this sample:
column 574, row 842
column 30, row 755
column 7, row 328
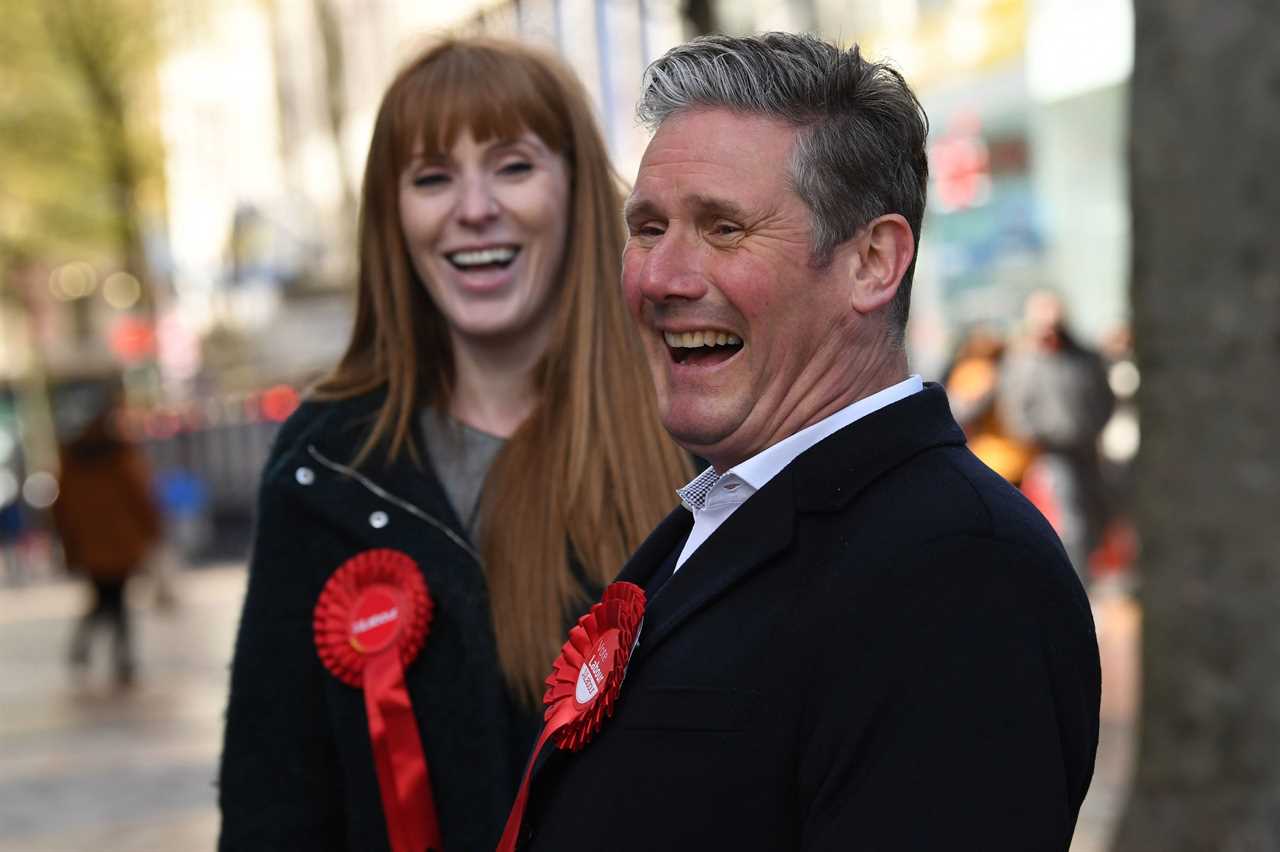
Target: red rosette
column 584, row 683
column 587, row 675
column 362, row 590
column 370, row 622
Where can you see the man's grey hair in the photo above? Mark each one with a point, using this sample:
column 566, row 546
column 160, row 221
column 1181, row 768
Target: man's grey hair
column 860, row 152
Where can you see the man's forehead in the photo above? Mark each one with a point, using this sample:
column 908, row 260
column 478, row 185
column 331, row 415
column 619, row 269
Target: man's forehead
column 718, row 135
column 706, row 158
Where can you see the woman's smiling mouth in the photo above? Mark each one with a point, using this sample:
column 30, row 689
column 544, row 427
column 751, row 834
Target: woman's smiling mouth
column 482, row 259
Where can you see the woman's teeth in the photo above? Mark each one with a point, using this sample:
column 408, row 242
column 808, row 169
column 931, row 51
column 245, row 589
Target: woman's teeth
column 481, row 257
column 694, row 339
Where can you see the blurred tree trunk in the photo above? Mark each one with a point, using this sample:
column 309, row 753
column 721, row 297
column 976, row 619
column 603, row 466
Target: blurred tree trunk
column 1206, row 312
column 335, row 92
column 290, row 133
column 91, row 37
column 699, row 17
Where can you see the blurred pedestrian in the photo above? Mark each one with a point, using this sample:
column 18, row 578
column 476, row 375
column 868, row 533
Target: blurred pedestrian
column 972, row 384
column 1054, row 394
column 108, row 523
column 491, row 431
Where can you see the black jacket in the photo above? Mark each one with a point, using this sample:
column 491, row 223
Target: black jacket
column 883, row 649
column 297, row 767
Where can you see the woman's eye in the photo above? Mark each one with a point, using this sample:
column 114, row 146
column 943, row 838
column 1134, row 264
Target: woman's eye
column 516, row 167
column 430, row 179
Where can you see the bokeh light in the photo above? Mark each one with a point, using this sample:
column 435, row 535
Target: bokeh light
column 40, row 490
column 73, row 281
column 132, row 339
column 279, row 402
column 121, row 290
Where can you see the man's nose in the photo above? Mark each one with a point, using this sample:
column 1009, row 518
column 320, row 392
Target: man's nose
column 672, row 269
column 478, row 205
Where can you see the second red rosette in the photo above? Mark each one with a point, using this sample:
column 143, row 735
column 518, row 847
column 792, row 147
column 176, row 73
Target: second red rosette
column 586, row 677
column 584, row 683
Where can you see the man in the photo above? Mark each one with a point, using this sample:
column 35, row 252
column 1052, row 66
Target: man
column 1054, row 395
column 856, row 635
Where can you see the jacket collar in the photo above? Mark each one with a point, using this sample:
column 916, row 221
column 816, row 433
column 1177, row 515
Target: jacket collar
column 832, row 473
column 339, row 440
column 824, row 478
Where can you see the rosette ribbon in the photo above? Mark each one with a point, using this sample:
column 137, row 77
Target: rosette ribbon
column 370, row 622
column 584, row 683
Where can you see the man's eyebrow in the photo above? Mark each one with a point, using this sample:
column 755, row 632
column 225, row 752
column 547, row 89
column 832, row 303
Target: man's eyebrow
column 704, row 206
column 638, row 207
column 709, row 206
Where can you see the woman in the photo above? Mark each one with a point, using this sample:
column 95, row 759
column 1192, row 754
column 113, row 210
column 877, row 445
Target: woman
column 490, row 347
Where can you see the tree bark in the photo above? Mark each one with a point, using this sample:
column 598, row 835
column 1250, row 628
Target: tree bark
column 699, row 17
column 1206, row 313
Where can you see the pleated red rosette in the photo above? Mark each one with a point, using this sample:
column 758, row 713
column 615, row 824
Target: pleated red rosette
column 584, row 683
column 370, row 622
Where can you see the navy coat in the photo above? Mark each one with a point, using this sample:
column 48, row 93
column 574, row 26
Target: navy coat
column 885, row 648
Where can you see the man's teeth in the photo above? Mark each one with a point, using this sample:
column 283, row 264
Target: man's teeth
column 482, row 257
column 694, row 339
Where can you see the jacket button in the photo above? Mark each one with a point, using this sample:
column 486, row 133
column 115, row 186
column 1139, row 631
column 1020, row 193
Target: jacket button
column 304, row 475
column 378, row 520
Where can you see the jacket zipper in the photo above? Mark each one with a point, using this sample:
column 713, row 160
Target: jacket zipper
column 381, row 492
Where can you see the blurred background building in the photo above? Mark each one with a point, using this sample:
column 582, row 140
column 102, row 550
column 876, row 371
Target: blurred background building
column 181, row 180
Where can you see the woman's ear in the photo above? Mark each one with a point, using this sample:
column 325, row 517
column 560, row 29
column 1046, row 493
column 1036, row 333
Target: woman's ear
column 882, row 252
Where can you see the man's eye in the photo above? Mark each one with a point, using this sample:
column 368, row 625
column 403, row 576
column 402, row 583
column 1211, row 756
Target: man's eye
column 646, row 230
column 725, row 229
column 430, row 179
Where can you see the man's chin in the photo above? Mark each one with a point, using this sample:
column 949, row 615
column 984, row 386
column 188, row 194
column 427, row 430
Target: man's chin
column 700, row 438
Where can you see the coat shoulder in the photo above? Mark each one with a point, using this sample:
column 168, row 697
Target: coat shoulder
column 944, row 519
column 947, row 492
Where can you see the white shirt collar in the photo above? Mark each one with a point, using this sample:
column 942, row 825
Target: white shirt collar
column 769, row 462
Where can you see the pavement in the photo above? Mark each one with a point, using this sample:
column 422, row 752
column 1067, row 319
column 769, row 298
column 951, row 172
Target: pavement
column 86, row 765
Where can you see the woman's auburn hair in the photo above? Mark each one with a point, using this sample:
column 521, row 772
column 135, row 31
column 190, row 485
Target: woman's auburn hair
column 591, row 471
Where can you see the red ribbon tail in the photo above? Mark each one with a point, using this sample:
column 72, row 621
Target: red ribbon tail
column 403, row 779
column 511, row 834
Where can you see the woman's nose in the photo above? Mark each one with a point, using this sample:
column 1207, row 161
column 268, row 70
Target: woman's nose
column 478, row 204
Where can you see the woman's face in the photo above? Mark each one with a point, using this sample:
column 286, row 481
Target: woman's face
column 485, row 228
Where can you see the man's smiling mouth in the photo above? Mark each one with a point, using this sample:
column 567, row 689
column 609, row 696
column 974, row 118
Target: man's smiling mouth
column 701, row 348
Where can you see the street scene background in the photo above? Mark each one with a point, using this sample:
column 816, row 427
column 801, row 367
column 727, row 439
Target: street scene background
column 178, row 184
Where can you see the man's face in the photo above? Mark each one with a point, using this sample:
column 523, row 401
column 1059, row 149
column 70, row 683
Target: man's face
column 747, row 342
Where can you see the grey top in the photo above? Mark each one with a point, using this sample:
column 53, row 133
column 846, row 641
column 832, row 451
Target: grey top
column 461, row 456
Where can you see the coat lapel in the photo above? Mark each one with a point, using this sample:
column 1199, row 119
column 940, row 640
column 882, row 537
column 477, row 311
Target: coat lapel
column 651, row 553
column 757, row 531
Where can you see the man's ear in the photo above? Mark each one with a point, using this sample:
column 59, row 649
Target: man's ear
column 883, row 250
